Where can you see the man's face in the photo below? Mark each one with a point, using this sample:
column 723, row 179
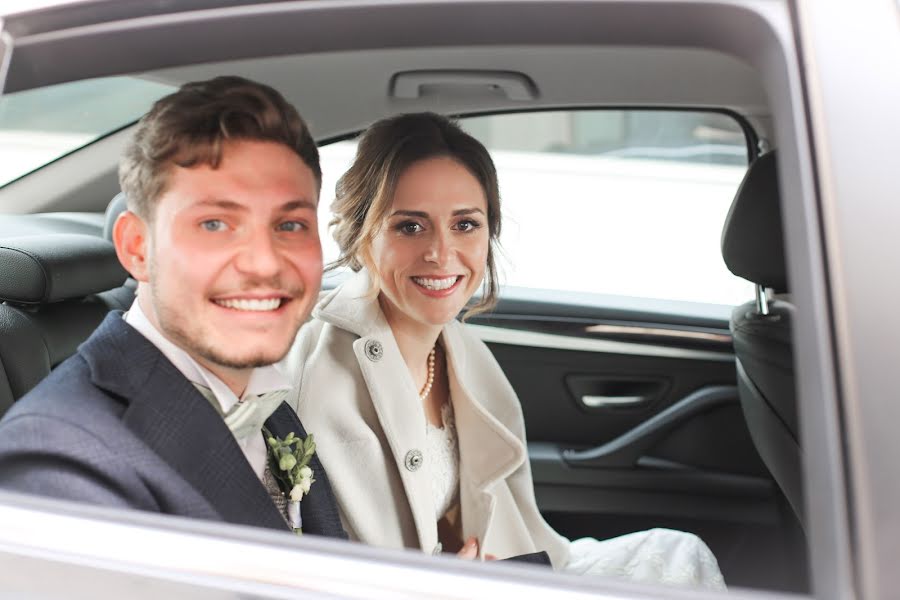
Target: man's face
column 233, row 258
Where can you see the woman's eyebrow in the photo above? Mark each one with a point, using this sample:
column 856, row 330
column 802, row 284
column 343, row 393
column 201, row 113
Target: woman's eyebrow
column 424, row 215
column 410, row 213
column 467, row 211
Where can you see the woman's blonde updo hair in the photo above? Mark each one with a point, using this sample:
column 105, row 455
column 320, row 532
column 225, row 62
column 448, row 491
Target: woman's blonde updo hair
column 365, row 192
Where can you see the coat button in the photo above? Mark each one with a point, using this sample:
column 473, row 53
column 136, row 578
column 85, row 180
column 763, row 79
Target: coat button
column 413, row 460
column 374, row 351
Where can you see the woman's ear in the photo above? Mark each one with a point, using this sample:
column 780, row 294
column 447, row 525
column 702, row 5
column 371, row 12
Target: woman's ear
column 130, row 234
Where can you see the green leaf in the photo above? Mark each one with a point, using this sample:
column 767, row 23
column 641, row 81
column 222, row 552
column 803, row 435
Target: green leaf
column 309, row 446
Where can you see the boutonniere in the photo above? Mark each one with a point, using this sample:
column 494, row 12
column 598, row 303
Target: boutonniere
column 289, row 462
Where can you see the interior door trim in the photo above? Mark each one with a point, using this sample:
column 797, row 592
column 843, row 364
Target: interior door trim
column 518, row 337
column 648, row 331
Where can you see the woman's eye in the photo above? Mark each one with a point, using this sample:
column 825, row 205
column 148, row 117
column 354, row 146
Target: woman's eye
column 292, row 226
column 410, row 227
column 213, row 225
column 468, row 225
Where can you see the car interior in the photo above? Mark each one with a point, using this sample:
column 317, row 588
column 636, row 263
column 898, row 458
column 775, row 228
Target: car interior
column 640, row 412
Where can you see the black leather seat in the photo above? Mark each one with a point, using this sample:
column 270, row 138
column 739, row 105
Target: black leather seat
column 55, row 290
column 753, row 248
column 117, row 206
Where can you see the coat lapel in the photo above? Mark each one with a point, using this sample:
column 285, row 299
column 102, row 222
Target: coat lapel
column 177, row 423
column 402, row 419
column 488, row 451
column 318, row 509
column 392, row 391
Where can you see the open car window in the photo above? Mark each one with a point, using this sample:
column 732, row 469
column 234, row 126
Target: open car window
column 613, row 202
column 39, row 126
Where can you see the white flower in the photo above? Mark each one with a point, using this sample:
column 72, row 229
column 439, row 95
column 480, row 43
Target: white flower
column 298, row 490
column 305, row 484
column 305, row 473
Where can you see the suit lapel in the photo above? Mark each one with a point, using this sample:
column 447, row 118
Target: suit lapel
column 318, row 509
column 177, row 423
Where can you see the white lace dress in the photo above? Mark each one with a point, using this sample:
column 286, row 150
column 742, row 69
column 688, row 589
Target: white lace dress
column 442, row 457
column 653, row 556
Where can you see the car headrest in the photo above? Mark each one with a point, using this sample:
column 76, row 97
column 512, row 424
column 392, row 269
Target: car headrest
column 41, row 269
column 752, row 239
column 116, row 207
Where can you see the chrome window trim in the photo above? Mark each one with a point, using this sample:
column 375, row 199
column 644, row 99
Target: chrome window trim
column 664, row 332
column 518, row 337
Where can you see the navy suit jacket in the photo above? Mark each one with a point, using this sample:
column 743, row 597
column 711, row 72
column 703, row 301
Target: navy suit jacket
column 118, row 425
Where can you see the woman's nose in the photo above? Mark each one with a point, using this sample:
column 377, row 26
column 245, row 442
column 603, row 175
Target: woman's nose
column 438, row 249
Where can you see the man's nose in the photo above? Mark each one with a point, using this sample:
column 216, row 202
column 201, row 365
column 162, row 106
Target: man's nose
column 259, row 255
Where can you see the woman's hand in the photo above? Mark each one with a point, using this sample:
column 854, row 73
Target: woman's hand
column 469, row 551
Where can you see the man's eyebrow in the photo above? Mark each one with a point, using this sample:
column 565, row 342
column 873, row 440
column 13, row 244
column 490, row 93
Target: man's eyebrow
column 237, row 206
column 297, row 205
column 222, row 203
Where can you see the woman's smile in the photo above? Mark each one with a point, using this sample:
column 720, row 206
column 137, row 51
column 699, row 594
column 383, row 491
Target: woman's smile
column 437, row 287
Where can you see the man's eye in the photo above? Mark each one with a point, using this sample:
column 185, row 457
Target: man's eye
column 213, row 225
column 292, row 226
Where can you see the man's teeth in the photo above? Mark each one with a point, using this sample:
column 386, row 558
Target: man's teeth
column 251, row 304
column 435, row 284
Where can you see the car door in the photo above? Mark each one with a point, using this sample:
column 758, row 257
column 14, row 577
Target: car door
column 619, row 346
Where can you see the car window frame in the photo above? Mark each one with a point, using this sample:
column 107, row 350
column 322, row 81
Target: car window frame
column 767, row 41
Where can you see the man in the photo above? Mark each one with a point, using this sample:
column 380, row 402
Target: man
column 164, row 408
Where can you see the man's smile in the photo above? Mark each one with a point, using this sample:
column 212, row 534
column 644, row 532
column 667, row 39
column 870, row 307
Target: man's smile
column 252, row 304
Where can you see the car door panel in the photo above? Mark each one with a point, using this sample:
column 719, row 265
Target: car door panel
column 634, row 422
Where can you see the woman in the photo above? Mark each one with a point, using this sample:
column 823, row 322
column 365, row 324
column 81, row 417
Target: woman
column 420, row 432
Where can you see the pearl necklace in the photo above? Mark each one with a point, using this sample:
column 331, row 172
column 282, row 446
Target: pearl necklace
column 426, row 389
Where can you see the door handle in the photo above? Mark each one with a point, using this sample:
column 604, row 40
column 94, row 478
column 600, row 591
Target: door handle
column 590, row 401
column 625, row 450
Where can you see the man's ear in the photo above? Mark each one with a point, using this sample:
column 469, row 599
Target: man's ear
column 130, row 235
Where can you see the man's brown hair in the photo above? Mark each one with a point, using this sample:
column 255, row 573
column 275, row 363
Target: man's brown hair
column 190, row 127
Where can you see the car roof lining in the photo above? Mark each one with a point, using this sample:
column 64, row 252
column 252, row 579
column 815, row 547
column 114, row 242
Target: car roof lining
column 342, row 92
column 578, row 54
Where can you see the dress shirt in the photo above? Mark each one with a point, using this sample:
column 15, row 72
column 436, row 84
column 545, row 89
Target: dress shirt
column 262, row 380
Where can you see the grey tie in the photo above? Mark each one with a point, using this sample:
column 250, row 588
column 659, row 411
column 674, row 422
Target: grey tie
column 247, row 418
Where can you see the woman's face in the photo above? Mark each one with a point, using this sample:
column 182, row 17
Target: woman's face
column 432, row 251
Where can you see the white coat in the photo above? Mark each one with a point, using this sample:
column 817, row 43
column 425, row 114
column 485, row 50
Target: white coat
column 357, row 397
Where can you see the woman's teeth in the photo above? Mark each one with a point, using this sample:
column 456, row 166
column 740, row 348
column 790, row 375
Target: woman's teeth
column 251, row 304
column 435, row 284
